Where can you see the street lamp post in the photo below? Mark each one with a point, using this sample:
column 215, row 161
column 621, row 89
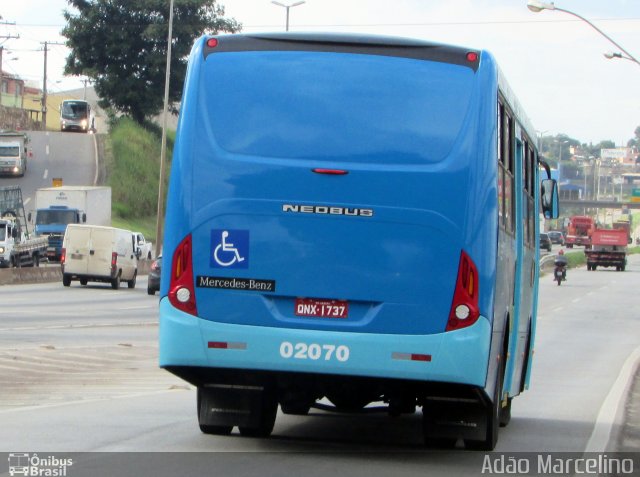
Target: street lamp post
column 560, row 143
column 287, row 7
column 537, row 6
column 614, row 54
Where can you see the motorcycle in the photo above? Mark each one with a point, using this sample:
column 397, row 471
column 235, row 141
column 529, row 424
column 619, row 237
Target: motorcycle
column 560, row 273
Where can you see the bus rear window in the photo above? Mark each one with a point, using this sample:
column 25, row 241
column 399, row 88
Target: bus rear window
column 335, row 106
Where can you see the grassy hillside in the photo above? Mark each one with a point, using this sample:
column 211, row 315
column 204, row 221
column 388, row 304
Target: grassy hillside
column 133, row 167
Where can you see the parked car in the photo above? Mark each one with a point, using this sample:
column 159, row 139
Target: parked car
column 154, row 276
column 556, row 237
column 545, row 242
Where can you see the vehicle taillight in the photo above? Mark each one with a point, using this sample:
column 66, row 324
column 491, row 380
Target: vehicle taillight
column 63, row 256
column 181, row 289
column 114, row 263
column 464, row 308
column 154, row 265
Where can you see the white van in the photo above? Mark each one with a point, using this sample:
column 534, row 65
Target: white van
column 99, row 254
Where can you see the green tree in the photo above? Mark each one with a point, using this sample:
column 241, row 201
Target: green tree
column 636, row 139
column 122, row 46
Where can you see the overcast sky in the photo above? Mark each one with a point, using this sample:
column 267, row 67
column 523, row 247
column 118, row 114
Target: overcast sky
column 553, row 61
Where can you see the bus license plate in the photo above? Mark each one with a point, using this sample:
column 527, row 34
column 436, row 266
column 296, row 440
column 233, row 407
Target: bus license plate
column 321, row 308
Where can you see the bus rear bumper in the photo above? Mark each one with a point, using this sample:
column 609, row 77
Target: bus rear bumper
column 459, row 356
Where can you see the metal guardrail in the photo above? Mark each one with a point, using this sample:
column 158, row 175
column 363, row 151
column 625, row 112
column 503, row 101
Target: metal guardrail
column 544, row 261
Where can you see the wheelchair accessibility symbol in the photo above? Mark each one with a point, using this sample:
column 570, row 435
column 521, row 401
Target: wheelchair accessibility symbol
column 230, row 248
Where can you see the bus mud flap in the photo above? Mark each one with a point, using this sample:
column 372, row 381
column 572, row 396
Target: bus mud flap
column 231, row 405
column 454, row 418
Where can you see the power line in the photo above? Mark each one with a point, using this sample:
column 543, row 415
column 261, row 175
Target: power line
column 445, row 23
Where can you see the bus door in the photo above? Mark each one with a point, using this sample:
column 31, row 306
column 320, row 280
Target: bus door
column 524, row 268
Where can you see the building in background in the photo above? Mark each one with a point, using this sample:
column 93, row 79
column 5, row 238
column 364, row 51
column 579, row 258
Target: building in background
column 11, row 90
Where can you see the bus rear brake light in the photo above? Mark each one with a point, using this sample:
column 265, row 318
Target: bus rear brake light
column 464, row 308
column 181, row 286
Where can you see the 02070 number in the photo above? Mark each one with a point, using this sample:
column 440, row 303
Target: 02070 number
column 314, row 351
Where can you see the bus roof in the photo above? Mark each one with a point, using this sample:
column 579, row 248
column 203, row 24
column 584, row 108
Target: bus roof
column 346, row 43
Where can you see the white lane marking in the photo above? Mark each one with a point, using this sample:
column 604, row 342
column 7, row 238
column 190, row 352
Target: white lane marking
column 38, row 359
column 87, row 401
column 78, row 326
column 46, row 149
column 22, row 368
column 46, row 173
column 31, row 365
column 95, row 155
column 607, row 416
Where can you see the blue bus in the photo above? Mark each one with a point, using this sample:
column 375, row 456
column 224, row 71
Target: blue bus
column 352, row 222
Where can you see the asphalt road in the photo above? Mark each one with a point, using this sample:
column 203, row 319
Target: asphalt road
column 78, row 373
column 69, row 156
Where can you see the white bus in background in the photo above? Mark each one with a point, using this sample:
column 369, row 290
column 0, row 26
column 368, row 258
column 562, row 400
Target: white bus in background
column 77, row 115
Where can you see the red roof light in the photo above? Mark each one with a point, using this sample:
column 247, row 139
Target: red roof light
column 212, row 42
column 472, row 57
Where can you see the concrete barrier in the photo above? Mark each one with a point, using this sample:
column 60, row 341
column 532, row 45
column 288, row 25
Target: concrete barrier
column 47, row 274
column 11, row 276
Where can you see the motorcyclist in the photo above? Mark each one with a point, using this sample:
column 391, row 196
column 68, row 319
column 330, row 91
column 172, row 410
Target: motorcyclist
column 561, row 262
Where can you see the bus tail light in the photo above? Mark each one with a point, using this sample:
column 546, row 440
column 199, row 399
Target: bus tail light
column 181, row 289
column 464, row 308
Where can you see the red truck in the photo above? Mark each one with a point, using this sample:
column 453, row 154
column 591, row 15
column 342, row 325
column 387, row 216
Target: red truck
column 579, row 231
column 608, row 249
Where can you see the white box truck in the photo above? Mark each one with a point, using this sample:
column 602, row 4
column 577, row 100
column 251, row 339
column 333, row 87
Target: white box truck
column 13, row 153
column 99, row 254
column 56, row 207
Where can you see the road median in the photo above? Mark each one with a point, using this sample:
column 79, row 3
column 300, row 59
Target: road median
column 46, row 274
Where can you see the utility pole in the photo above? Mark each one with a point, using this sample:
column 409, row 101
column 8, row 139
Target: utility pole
column 85, row 81
column 4, row 37
column 44, row 85
column 44, row 91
